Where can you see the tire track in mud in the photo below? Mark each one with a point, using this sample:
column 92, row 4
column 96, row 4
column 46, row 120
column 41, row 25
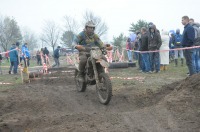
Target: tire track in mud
column 64, row 102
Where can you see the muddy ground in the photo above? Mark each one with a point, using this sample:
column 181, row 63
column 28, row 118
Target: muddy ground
column 53, row 104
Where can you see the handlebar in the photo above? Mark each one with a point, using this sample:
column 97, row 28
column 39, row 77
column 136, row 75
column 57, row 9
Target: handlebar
column 82, row 48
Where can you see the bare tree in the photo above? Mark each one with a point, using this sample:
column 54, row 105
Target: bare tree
column 30, row 38
column 9, row 32
column 72, row 28
column 51, row 33
column 71, row 24
column 101, row 27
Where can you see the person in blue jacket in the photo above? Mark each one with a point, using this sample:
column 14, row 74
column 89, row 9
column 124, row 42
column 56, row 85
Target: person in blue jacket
column 25, row 55
column 177, row 44
column 13, row 59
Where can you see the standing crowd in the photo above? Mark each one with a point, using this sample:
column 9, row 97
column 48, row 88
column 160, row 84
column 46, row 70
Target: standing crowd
column 148, row 42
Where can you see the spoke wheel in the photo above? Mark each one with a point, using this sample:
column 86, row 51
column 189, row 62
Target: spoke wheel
column 104, row 91
column 80, row 86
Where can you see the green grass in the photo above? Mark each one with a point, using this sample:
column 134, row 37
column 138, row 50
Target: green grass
column 153, row 81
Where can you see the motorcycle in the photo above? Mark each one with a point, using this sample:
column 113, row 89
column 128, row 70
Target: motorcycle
column 94, row 74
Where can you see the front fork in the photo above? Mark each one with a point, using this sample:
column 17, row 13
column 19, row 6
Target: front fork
column 95, row 72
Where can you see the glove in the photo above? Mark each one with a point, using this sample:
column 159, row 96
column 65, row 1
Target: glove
column 103, row 50
column 87, row 49
column 107, row 45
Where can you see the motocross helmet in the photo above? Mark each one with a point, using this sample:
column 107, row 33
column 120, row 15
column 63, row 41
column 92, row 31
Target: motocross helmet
column 90, row 24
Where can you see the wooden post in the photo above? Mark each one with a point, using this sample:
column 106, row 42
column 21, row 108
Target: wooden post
column 19, row 65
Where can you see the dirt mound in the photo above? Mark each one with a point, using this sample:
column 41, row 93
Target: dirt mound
column 149, row 97
column 184, row 102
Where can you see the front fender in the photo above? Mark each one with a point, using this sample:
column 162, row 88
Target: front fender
column 103, row 63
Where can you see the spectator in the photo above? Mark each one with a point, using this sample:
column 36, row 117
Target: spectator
column 13, row 59
column 154, row 43
column 177, row 44
column 42, row 55
column 133, row 39
column 188, row 41
column 56, row 57
column 137, row 48
column 46, row 55
column 144, row 47
column 164, row 55
column 171, row 45
column 129, row 49
column 38, row 58
column 25, row 55
column 7, row 56
column 150, row 24
column 19, row 59
column 196, row 55
column 0, row 62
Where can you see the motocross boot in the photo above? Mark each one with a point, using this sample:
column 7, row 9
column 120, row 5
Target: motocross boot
column 81, row 72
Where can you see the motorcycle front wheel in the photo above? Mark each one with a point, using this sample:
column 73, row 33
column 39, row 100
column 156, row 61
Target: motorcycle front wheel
column 80, row 86
column 104, row 91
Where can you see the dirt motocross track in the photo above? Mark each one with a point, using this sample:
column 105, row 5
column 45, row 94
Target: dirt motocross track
column 53, row 104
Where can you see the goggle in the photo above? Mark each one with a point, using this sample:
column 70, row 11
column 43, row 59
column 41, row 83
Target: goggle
column 91, row 27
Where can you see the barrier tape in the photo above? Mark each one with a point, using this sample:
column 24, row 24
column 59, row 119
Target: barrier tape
column 9, row 51
column 193, row 47
column 121, row 56
column 1, row 83
column 140, row 79
column 12, row 50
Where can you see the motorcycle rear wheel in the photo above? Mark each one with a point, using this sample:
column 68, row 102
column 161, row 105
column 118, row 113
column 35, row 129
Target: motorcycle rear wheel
column 104, row 91
column 80, row 86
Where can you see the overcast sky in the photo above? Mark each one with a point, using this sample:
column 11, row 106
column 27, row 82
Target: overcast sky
column 118, row 14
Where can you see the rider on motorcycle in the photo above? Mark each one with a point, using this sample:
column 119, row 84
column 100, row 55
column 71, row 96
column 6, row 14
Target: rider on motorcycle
column 87, row 39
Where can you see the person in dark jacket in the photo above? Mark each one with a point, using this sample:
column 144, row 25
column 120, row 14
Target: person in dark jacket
column 46, row 55
column 46, row 51
column 39, row 62
column 154, row 43
column 196, row 55
column 137, row 48
column 13, row 59
column 144, row 47
column 56, row 57
column 0, row 62
column 129, row 49
column 188, row 41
